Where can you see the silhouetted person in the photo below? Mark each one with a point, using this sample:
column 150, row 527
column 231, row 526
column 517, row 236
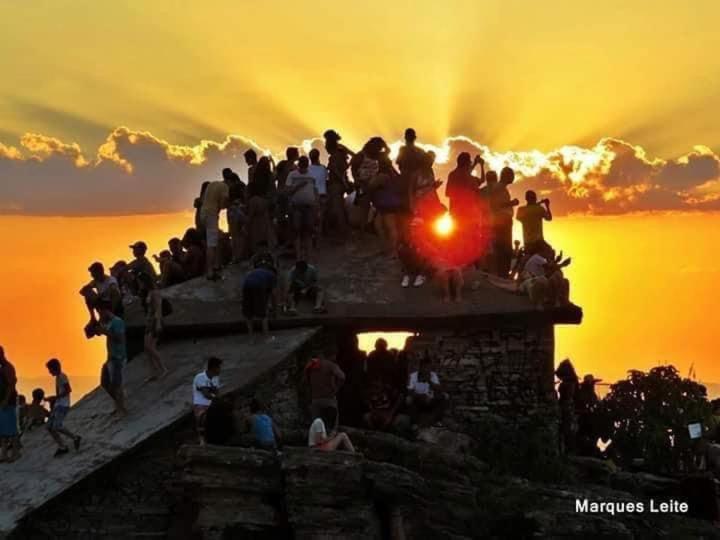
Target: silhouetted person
column 260, row 190
column 286, row 166
column 197, row 204
column 320, row 173
column 411, row 161
column 462, row 188
column 216, row 198
column 176, row 250
column 502, row 208
column 251, row 160
column 410, row 158
column 151, row 302
column 303, row 197
column 566, row 399
column 102, row 288
column 532, row 216
column 194, row 262
column 9, row 441
column 586, row 403
column 388, row 197
column 338, row 183
column 236, row 216
column 282, row 202
column 140, row 263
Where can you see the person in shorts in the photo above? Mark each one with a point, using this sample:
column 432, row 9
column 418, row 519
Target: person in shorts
column 60, row 404
column 302, row 282
column 216, row 198
column 113, row 328
column 258, row 291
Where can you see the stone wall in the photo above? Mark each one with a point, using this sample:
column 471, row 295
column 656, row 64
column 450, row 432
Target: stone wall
column 501, row 387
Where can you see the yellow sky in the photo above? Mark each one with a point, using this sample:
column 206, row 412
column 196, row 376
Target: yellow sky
column 515, row 74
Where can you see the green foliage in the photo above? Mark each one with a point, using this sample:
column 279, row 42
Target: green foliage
column 648, row 415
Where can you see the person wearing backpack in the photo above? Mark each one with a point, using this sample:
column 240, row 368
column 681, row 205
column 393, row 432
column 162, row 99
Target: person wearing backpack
column 155, row 307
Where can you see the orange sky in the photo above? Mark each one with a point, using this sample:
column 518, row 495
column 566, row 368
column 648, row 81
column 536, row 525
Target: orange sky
column 647, row 283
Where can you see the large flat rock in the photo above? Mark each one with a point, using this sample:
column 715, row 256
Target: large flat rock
column 363, row 291
column 37, row 477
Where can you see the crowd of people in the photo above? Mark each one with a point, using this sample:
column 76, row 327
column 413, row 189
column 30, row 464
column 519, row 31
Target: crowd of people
column 297, row 204
column 378, row 391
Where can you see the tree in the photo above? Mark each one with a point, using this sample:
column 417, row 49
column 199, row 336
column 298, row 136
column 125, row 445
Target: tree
column 647, row 416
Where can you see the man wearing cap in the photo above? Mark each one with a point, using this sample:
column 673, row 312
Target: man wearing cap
column 217, row 196
column 337, row 183
column 101, row 288
column 141, row 264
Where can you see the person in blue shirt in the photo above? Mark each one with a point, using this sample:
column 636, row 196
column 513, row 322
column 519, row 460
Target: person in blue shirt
column 265, row 432
column 259, row 289
column 113, row 328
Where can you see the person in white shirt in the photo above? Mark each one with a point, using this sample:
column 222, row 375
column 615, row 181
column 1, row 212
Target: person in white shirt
column 60, row 405
column 206, row 386
column 426, row 401
column 319, row 440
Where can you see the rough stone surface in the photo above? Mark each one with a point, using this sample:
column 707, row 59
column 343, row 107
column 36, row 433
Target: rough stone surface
column 340, row 495
column 37, row 477
column 363, row 288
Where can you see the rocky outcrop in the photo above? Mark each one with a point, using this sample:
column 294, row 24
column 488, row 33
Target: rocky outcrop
column 399, row 490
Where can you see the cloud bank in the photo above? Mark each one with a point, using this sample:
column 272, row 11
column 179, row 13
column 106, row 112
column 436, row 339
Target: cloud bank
column 135, row 172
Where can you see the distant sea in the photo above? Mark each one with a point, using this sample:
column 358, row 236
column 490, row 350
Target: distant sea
column 81, row 385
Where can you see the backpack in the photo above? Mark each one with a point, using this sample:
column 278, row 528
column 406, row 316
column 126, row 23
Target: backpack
column 166, row 308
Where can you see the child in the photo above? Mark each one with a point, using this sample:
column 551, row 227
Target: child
column 36, row 413
column 264, row 430
column 60, row 405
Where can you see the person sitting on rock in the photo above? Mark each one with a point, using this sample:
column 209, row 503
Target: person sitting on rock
column 318, row 438
column 194, row 261
column 265, row 432
column 102, row 288
column 258, row 292
column 426, row 402
column 140, row 263
column 206, row 387
column 383, row 404
column 36, row 413
column 302, row 282
column 171, row 271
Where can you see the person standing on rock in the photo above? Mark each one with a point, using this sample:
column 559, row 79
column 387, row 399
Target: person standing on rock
column 216, row 198
column 9, row 442
column 325, row 379
column 152, row 304
column 113, row 328
column 60, row 403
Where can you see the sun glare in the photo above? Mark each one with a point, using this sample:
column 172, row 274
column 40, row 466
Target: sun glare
column 444, row 225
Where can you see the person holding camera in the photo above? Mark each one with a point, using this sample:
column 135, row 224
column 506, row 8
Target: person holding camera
column 532, row 216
